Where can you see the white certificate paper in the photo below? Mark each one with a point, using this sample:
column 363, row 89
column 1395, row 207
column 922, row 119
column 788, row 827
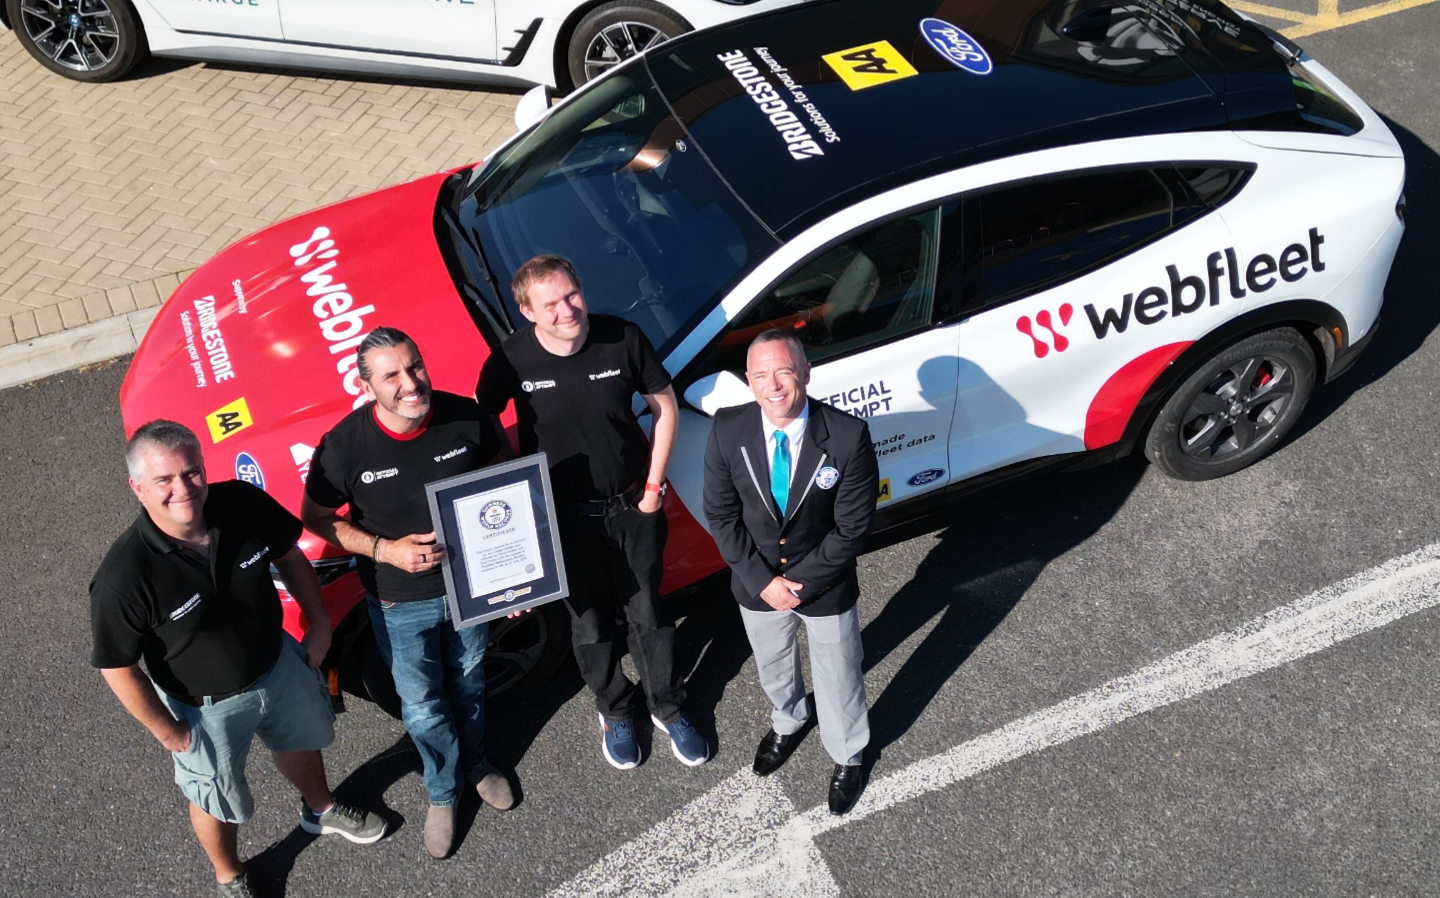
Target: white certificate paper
column 500, row 546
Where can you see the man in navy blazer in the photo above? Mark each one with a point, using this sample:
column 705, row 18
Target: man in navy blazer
column 790, row 487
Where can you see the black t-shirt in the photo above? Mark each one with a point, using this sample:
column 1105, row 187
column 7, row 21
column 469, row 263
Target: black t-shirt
column 382, row 475
column 203, row 627
column 576, row 408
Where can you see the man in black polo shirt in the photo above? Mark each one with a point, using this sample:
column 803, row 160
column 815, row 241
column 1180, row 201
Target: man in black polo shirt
column 572, row 378
column 188, row 589
column 378, row 460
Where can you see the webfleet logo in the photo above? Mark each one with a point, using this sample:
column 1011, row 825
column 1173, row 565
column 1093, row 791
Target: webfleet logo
column 342, row 323
column 1047, row 323
column 1223, row 273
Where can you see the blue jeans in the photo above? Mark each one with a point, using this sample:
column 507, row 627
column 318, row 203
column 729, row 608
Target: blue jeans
column 441, row 682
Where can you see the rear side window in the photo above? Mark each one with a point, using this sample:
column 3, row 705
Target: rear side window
column 1213, row 184
column 1320, row 107
column 1040, row 233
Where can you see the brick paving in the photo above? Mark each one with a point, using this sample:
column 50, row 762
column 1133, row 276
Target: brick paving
column 110, row 194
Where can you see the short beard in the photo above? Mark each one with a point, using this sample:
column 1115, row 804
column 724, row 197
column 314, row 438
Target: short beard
column 394, row 407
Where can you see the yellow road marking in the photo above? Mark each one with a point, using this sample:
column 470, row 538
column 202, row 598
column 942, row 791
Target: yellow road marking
column 1327, row 16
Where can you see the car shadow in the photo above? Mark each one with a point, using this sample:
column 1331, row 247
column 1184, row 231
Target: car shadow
column 991, row 547
column 1409, row 315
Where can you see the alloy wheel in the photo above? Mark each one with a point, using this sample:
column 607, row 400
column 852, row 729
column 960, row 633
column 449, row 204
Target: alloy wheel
column 1237, row 409
column 514, row 648
column 618, row 42
column 81, row 35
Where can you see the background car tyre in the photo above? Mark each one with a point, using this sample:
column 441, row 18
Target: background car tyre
column 610, row 34
column 86, row 40
column 1235, row 408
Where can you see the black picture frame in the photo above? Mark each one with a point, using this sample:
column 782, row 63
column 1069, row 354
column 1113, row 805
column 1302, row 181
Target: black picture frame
column 467, row 609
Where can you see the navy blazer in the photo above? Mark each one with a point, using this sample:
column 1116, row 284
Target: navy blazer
column 832, row 502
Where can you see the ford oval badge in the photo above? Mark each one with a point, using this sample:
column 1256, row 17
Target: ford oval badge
column 248, row 470
column 962, row 50
column 928, row 476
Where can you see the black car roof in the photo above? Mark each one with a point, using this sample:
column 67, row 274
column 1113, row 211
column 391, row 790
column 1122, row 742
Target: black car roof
column 796, row 140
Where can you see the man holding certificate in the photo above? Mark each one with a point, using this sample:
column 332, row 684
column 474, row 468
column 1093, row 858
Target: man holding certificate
column 573, row 378
column 378, row 460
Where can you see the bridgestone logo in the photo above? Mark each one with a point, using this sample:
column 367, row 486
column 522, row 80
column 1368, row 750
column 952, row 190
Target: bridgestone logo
column 214, row 342
column 798, row 139
column 342, row 323
column 186, row 608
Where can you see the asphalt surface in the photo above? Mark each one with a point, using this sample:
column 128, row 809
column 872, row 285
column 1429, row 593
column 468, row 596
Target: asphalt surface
column 1315, row 778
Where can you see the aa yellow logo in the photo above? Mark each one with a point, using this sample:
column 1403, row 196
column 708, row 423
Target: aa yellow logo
column 869, row 65
column 884, row 490
column 229, row 420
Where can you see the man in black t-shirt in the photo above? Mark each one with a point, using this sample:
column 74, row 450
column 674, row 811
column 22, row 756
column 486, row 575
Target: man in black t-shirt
column 378, row 460
column 573, row 378
column 187, row 589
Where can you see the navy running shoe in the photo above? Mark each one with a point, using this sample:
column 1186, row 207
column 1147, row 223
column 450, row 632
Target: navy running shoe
column 617, row 743
column 689, row 746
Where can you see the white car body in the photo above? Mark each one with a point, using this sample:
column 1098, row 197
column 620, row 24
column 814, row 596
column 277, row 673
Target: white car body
column 485, row 41
column 957, row 401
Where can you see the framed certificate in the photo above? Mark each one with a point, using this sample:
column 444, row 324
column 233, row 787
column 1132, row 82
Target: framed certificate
column 502, row 549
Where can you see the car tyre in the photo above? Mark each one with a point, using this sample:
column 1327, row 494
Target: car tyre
column 1235, row 408
column 522, row 653
column 84, row 40
column 613, row 32
column 364, row 673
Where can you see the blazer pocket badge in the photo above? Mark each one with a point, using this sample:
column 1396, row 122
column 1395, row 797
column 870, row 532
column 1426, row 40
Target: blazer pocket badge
column 827, row 477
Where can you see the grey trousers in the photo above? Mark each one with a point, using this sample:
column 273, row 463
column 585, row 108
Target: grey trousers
column 835, row 656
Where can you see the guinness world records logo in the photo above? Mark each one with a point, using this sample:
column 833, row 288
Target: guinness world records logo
column 495, row 514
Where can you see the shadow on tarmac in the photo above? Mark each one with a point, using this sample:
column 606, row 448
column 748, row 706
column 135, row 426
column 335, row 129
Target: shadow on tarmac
column 1410, row 314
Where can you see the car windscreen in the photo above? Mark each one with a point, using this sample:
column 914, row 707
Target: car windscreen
column 612, row 182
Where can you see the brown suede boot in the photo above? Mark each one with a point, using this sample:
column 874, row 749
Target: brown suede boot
column 494, row 789
column 440, row 831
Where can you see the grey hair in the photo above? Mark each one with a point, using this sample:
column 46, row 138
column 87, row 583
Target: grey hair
column 380, row 338
column 777, row 335
column 167, row 436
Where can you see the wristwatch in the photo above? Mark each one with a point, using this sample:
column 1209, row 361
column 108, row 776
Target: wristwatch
column 660, row 488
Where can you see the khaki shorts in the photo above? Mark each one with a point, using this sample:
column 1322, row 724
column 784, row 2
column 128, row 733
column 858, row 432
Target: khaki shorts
column 288, row 708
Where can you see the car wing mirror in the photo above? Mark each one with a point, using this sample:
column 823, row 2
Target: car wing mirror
column 532, row 106
column 720, row 390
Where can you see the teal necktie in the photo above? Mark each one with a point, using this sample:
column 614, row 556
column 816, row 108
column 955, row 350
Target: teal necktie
column 780, row 472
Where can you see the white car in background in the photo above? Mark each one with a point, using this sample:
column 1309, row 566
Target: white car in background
column 559, row 43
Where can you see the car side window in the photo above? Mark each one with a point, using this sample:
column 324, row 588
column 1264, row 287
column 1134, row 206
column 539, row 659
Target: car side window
column 864, row 290
column 1040, row 233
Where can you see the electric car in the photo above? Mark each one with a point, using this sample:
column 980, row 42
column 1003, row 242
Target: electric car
column 1011, row 236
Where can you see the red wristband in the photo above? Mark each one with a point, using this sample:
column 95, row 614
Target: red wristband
column 654, row 488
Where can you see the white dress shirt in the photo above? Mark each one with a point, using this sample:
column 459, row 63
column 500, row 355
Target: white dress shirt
column 794, row 434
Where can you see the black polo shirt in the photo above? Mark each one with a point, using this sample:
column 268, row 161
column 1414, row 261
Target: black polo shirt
column 577, row 408
column 202, row 626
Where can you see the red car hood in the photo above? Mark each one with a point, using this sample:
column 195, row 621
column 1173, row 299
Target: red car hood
column 256, row 350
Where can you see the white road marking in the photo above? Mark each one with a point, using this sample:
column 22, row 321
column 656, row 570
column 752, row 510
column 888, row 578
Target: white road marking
column 746, row 839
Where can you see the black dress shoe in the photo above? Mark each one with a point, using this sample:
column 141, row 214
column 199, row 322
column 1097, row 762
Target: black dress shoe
column 775, row 750
column 845, row 787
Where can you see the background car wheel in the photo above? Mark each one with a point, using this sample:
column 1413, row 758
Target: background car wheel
column 522, row 654
column 87, row 40
column 1235, row 408
column 610, row 34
